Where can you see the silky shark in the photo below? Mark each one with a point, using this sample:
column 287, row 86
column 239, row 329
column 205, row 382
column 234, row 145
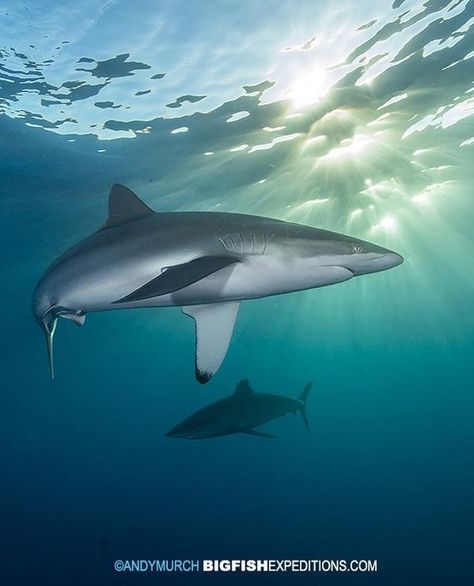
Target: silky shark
column 241, row 412
column 204, row 262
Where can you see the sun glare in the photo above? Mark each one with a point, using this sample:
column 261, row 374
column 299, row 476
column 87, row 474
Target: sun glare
column 389, row 223
column 348, row 148
column 308, row 88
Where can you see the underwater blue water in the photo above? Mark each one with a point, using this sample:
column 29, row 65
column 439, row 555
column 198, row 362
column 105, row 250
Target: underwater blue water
column 350, row 116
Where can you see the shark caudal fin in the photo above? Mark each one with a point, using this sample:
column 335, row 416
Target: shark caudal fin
column 48, row 325
column 303, row 398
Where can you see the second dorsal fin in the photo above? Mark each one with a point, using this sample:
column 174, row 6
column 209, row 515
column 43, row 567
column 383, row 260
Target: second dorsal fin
column 124, row 206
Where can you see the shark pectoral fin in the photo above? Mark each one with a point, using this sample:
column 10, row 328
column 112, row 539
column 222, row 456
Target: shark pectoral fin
column 179, row 276
column 214, row 326
column 258, row 433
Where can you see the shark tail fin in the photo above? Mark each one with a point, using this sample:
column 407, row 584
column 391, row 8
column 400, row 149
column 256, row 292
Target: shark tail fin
column 303, row 398
column 49, row 327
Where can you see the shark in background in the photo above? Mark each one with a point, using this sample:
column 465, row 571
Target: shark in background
column 204, row 262
column 241, row 412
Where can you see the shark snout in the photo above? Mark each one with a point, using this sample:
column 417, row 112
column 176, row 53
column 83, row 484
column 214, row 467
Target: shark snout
column 373, row 262
column 387, row 260
column 172, row 433
column 178, row 431
column 187, row 430
column 182, row 435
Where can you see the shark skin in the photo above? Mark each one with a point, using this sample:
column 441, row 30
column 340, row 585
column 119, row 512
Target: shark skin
column 240, row 412
column 204, row 262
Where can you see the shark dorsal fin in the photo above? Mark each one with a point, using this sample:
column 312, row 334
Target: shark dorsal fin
column 243, row 389
column 124, row 206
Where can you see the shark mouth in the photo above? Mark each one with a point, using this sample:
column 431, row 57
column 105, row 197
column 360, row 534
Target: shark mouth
column 48, row 323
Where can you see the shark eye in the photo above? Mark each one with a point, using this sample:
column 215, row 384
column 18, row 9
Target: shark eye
column 357, row 248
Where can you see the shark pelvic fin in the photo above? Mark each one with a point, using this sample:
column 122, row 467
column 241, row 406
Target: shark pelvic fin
column 214, row 327
column 179, row 276
column 124, row 206
column 243, row 388
column 257, row 433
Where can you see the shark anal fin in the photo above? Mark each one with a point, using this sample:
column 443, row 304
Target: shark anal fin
column 214, row 327
column 179, row 276
column 257, row 433
column 78, row 317
column 124, row 206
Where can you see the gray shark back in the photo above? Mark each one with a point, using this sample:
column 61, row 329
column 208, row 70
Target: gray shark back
column 240, row 412
column 203, row 262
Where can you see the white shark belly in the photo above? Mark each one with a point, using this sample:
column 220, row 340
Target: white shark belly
column 254, row 277
column 257, row 277
column 264, row 276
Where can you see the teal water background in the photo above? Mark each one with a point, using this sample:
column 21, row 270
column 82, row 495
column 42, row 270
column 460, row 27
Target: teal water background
column 354, row 117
